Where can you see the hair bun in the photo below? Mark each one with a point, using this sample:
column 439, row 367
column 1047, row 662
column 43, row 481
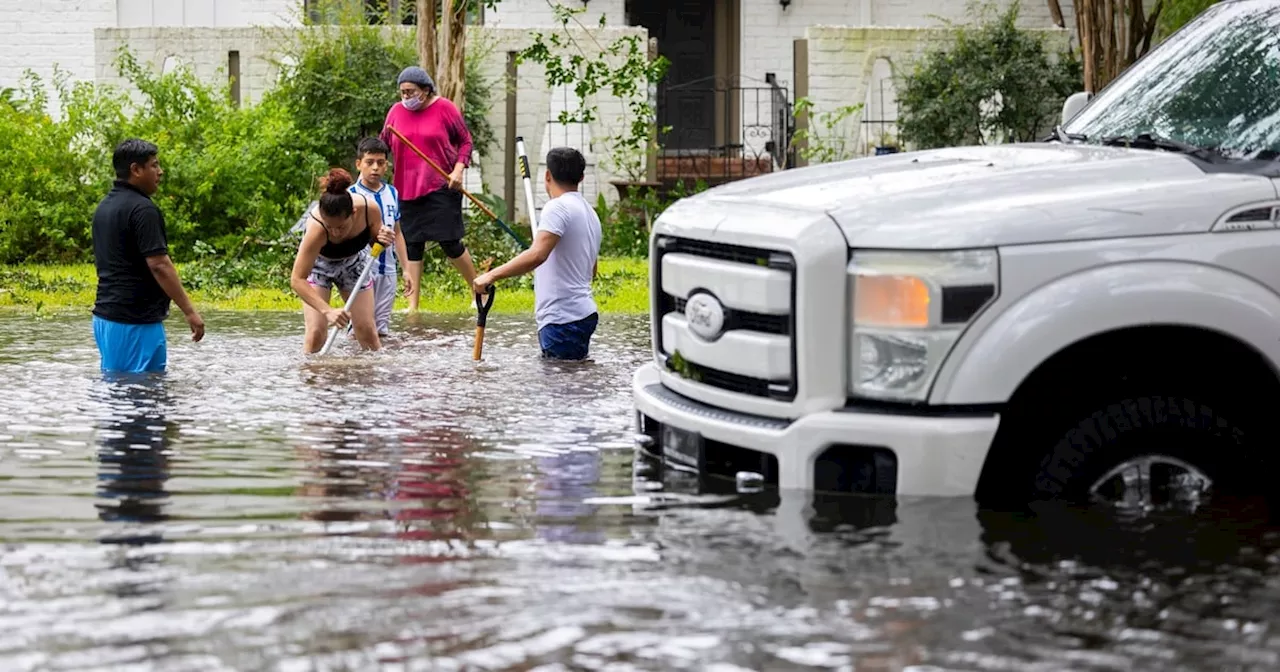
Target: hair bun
column 337, row 181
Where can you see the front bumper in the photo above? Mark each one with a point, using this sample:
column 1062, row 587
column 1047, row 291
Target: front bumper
column 934, row 456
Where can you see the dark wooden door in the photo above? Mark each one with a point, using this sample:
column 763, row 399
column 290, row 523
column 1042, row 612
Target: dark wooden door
column 687, row 96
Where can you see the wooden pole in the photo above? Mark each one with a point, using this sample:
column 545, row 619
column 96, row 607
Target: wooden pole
column 800, row 65
column 653, row 149
column 509, row 173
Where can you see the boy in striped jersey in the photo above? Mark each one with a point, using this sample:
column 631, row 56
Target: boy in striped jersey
column 371, row 161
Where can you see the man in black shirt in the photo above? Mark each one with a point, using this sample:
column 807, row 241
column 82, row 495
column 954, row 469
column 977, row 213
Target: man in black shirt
column 136, row 278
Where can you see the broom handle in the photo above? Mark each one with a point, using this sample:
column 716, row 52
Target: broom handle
column 528, row 184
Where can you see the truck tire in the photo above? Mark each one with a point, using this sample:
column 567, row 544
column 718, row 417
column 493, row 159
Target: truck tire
column 1144, row 453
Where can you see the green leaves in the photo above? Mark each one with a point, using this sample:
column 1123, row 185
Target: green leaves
column 622, row 68
column 993, row 83
column 1178, row 13
column 339, row 80
column 233, row 176
column 833, row 142
column 54, row 170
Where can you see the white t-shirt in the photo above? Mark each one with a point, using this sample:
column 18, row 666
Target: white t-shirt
column 388, row 200
column 562, row 284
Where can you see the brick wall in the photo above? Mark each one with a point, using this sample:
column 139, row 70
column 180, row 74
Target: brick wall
column 202, row 13
column 844, row 63
column 536, row 107
column 529, row 13
column 61, row 32
column 269, row 12
column 51, row 32
column 771, row 30
column 205, row 49
column 544, row 131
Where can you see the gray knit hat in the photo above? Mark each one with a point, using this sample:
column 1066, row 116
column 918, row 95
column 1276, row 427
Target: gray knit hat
column 416, row 75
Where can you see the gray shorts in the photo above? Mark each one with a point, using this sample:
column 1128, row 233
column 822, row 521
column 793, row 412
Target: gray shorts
column 326, row 273
column 384, row 299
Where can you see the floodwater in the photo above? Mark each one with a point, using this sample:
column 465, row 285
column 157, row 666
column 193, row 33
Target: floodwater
column 412, row 509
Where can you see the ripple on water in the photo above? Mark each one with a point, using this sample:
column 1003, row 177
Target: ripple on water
column 256, row 509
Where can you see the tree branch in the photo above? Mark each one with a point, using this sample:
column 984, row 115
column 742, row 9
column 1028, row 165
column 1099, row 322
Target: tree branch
column 1152, row 22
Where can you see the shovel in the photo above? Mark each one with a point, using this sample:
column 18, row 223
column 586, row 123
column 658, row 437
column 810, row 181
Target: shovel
column 482, row 314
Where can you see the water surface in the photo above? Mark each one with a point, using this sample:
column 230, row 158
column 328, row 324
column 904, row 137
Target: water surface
column 412, row 509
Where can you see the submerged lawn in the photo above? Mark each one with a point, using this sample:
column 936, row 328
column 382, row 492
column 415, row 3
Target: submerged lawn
column 623, row 287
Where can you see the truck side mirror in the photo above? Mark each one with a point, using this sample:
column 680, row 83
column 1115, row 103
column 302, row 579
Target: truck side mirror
column 1074, row 104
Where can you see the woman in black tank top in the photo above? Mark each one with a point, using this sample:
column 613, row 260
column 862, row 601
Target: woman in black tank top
column 333, row 251
column 348, row 247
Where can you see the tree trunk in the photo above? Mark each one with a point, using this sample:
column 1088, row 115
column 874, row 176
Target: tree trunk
column 1088, row 44
column 1055, row 13
column 454, row 27
column 427, row 49
column 1137, row 22
column 1113, row 34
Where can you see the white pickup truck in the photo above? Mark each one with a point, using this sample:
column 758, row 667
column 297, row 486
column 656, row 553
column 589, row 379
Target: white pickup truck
column 1093, row 318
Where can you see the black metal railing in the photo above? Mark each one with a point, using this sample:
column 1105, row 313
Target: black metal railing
column 723, row 129
column 784, row 124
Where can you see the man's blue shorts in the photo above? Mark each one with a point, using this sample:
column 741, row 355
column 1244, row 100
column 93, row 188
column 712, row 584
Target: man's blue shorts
column 568, row 341
column 130, row 348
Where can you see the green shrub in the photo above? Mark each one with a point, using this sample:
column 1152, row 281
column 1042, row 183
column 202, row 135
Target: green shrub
column 1178, row 13
column 55, row 171
column 235, row 178
column 941, row 102
column 625, row 226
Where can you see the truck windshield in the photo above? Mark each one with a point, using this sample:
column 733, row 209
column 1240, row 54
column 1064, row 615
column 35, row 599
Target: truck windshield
column 1215, row 84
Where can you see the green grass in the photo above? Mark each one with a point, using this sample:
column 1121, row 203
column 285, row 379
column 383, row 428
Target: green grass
column 623, row 287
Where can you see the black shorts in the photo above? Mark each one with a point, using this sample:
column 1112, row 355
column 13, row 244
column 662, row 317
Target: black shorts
column 434, row 217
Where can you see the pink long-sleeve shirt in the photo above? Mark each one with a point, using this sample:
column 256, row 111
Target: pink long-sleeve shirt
column 439, row 131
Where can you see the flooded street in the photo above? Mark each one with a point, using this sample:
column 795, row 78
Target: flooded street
column 412, row 509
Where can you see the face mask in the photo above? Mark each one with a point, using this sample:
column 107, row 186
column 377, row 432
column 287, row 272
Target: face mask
column 412, row 104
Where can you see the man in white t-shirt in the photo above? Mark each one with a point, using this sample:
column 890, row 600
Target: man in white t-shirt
column 565, row 252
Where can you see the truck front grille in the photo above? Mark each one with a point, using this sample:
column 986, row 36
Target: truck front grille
column 774, row 323
column 734, row 319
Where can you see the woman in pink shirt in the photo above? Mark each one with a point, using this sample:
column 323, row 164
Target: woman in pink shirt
column 430, row 205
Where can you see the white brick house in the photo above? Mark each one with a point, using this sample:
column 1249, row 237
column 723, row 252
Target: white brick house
column 734, row 63
column 61, row 32
column 728, row 55
column 754, row 37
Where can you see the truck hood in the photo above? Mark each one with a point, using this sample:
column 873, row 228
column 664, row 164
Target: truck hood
column 997, row 195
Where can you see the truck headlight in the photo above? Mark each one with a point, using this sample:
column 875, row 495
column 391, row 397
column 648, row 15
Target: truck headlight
column 909, row 308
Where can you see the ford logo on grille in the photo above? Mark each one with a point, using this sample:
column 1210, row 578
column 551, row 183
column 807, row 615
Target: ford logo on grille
column 705, row 315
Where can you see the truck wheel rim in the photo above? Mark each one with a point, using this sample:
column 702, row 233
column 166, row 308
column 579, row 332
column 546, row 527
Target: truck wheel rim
column 1152, row 482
